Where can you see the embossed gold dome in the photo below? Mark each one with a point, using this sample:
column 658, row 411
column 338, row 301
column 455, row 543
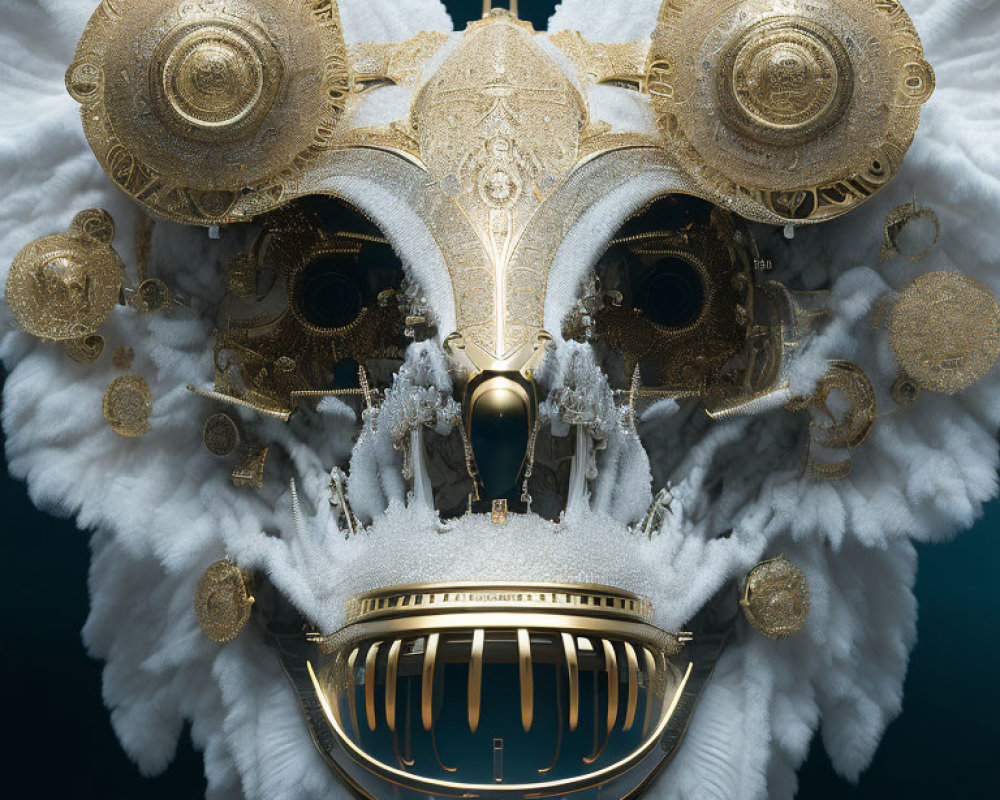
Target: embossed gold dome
column 807, row 108
column 198, row 111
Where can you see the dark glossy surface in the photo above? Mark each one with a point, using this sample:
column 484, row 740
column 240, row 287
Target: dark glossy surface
column 499, row 429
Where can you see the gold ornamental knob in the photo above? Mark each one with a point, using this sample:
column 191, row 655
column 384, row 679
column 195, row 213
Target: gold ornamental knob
column 803, row 108
column 203, row 112
column 776, row 598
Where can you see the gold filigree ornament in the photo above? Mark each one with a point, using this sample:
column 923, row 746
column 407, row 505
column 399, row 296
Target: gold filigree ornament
column 128, row 406
column 804, row 107
column 845, row 400
column 201, row 110
column 776, row 598
column 911, row 231
column 64, row 287
column 944, row 330
column 223, row 601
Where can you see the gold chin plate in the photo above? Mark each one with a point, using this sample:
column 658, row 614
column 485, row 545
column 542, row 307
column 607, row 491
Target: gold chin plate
column 201, row 110
column 64, row 287
column 944, row 331
column 805, row 107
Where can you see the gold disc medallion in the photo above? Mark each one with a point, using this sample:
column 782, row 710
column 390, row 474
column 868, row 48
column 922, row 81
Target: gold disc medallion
column 776, row 598
column 64, row 287
column 128, row 405
column 222, row 601
column 805, row 108
column 945, row 331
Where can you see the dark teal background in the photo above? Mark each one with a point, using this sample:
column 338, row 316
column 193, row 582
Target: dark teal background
column 58, row 737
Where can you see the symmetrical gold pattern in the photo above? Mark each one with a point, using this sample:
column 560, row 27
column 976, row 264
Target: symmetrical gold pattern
column 201, row 111
column 63, row 287
column 223, row 601
column 776, row 598
column 944, row 331
column 499, row 127
column 128, row 405
column 814, row 102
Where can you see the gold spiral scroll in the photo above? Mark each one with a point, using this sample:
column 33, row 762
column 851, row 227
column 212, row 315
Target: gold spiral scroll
column 804, row 106
column 202, row 111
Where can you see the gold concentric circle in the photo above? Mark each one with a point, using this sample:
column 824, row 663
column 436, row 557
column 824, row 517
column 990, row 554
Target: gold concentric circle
column 213, row 77
column 784, row 81
column 205, row 112
column 805, row 108
column 945, row 331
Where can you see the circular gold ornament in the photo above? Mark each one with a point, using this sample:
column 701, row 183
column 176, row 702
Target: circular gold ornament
column 128, row 405
column 222, row 601
column 64, row 287
column 945, row 331
column 806, row 108
column 221, row 434
column 776, row 598
column 911, row 231
column 202, row 111
column 152, row 296
column 784, row 81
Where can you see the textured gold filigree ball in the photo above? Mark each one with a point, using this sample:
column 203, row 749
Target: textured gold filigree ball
column 785, row 81
column 776, row 598
column 945, row 331
column 63, row 287
column 223, row 602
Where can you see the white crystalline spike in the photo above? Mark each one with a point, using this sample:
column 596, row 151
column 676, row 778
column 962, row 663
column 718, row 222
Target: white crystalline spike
column 297, row 516
column 423, row 492
column 577, row 503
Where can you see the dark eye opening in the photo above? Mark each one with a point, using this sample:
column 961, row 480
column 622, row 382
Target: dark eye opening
column 328, row 294
column 671, row 294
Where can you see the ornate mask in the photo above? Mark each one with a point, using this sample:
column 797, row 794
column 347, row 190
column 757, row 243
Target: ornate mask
column 497, row 396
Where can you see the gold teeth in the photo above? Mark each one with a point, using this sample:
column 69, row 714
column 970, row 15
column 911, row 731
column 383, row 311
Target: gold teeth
column 423, row 599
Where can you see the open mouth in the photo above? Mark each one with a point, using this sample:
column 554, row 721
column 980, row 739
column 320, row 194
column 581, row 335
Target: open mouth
column 513, row 690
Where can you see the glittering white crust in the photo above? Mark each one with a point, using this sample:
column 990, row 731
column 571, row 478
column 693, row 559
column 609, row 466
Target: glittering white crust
column 161, row 509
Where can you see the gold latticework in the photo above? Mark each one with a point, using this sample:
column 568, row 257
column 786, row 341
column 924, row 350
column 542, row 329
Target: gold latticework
column 804, row 107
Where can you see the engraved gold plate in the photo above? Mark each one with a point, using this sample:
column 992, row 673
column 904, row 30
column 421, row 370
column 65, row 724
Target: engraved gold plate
column 221, row 434
column 63, row 287
column 944, row 331
column 776, row 599
column 128, row 405
column 806, row 107
column 222, row 602
column 200, row 110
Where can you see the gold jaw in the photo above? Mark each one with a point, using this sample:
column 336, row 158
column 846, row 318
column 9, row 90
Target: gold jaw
column 421, row 672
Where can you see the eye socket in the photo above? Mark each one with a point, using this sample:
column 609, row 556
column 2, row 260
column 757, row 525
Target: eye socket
column 327, row 293
column 672, row 294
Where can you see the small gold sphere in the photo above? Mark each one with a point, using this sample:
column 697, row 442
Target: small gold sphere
column 776, row 598
column 223, row 602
